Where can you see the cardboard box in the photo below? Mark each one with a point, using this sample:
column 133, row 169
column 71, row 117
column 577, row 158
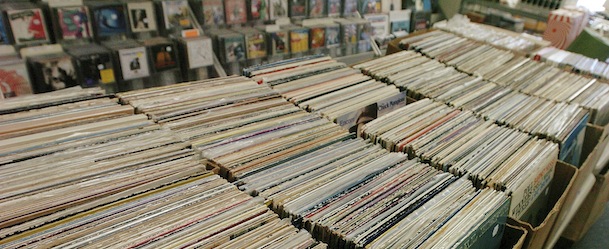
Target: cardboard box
column 513, row 237
column 562, row 182
column 590, row 211
column 595, row 141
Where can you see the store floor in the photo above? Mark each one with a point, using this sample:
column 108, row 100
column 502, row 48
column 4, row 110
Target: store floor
column 597, row 236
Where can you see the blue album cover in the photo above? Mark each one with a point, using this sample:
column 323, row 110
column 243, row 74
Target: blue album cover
column 3, row 36
column 110, row 20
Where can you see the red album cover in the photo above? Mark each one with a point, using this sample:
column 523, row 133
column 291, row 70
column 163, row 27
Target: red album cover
column 236, row 11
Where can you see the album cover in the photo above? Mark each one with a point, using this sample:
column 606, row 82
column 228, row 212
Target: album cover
column 234, row 48
column 277, row 9
column 299, row 40
column 318, row 37
column 256, row 45
column 334, row 8
column 164, row 57
column 258, row 10
column 14, row 80
column 96, row 69
column 298, row 8
column 134, row 63
column 28, row 26
column 350, row 8
column 199, row 52
column 369, row 6
column 379, row 24
column 349, row 33
column 279, row 42
column 333, row 36
column 142, row 17
column 176, row 14
column 317, row 8
column 3, row 35
column 110, row 20
column 74, row 23
column 54, row 73
column 236, row 11
column 213, row 12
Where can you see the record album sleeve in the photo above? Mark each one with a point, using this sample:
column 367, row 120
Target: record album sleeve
column 213, row 12
column 298, row 8
column 54, row 73
column 134, row 63
column 96, row 69
column 199, row 52
column 28, row 26
column 142, row 17
column 74, row 23
column 176, row 15
column 110, row 20
column 235, row 11
column 14, row 80
column 164, row 57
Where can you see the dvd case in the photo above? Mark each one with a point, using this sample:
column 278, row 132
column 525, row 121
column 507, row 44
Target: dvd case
column 350, row 8
column 236, row 11
column 369, row 6
column 298, row 8
column 176, row 15
column 278, row 42
column 334, row 8
column 231, row 46
column 317, row 36
column 258, row 10
column 277, row 9
column 317, row 8
column 255, row 43
column 213, row 12
column 299, row 40
column 142, row 17
column 332, row 35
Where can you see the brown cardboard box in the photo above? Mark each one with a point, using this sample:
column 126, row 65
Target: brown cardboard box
column 513, row 237
column 564, row 176
column 594, row 143
column 590, row 210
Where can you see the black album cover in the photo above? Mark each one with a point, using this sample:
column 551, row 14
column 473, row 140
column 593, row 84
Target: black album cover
column 54, row 73
column 96, row 69
column 164, row 57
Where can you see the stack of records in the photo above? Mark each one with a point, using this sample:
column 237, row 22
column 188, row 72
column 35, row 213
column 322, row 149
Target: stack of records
column 355, row 194
column 60, row 116
column 49, row 99
column 203, row 211
column 423, row 78
column 502, row 38
column 458, row 142
column 575, row 62
column 53, row 175
column 515, row 72
column 242, row 127
column 320, row 84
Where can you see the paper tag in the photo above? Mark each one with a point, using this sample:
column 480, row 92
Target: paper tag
column 107, row 76
column 190, row 33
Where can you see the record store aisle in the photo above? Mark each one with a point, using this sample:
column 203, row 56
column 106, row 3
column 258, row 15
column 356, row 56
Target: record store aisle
column 597, row 236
